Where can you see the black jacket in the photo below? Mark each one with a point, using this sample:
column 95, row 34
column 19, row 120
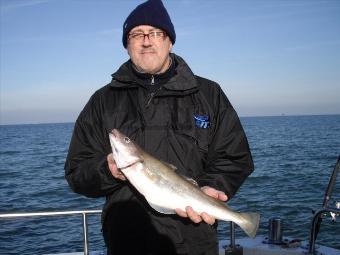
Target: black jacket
column 165, row 122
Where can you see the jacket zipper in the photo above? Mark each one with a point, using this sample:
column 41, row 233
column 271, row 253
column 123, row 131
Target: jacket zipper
column 152, row 82
column 151, row 96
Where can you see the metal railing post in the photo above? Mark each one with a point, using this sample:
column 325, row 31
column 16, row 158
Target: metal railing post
column 86, row 245
column 317, row 215
column 84, row 214
column 233, row 248
column 232, row 234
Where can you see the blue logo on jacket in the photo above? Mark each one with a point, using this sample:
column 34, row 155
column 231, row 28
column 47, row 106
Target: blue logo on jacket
column 201, row 121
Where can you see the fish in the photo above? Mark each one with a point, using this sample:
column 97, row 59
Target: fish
column 165, row 190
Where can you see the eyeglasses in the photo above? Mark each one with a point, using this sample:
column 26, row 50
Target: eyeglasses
column 152, row 36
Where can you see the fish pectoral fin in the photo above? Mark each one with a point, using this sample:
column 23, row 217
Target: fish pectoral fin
column 161, row 209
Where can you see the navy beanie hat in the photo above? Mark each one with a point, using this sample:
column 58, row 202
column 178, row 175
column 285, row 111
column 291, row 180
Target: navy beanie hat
column 152, row 13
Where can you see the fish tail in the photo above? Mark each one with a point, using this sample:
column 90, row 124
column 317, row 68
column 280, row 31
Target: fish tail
column 249, row 223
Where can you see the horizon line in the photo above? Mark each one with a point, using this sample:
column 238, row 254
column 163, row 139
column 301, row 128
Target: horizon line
column 244, row 116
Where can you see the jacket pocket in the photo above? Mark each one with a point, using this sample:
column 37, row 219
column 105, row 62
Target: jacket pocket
column 185, row 125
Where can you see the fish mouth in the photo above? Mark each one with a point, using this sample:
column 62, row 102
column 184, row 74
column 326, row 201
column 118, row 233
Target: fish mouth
column 113, row 136
column 114, row 132
column 120, row 157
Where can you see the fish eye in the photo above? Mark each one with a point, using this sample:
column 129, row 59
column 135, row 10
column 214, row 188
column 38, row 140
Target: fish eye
column 127, row 140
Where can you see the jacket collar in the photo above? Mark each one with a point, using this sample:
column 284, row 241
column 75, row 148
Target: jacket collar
column 182, row 78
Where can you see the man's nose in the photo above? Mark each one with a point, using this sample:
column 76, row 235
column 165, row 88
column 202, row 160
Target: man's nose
column 146, row 40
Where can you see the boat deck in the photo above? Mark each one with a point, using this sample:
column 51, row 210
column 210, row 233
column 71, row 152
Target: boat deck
column 258, row 246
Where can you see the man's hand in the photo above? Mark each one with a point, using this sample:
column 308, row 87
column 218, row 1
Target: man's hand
column 197, row 218
column 113, row 168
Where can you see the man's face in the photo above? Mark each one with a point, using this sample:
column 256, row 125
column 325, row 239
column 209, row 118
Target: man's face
column 150, row 54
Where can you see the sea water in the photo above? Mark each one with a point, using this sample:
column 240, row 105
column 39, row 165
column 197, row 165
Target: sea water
column 294, row 157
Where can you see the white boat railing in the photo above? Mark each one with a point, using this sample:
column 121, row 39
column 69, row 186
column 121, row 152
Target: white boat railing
column 83, row 213
column 231, row 247
column 317, row 219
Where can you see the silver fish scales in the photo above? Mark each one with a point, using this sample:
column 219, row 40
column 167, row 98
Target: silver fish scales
column 166, row 191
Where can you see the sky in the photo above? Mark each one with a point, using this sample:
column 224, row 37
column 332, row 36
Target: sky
column 271, row 57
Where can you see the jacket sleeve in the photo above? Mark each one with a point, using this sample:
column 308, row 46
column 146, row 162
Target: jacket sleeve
column 229, row 160
column 86, row 167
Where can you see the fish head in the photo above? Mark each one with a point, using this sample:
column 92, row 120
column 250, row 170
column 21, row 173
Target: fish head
column 125, row 151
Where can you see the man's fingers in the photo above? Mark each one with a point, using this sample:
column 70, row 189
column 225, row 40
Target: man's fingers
column 121, row 176
column 189, row 213
column 193, row 215
column 113, row 168
column 181, row 213
column 207, row 218
column 220, row 195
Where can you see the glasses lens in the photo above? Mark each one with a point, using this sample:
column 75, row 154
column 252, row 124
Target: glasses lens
column 153, row 36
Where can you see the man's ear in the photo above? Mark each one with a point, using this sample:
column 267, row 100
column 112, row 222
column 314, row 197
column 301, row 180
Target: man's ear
column 170, row 47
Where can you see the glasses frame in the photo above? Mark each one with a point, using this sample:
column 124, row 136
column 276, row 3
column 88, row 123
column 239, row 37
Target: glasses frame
column 140, row 36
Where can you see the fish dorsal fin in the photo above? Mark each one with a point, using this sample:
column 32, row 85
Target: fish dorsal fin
column 171, row 166
column 190, row 180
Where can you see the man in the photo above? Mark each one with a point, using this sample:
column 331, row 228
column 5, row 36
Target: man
column 180, row 118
